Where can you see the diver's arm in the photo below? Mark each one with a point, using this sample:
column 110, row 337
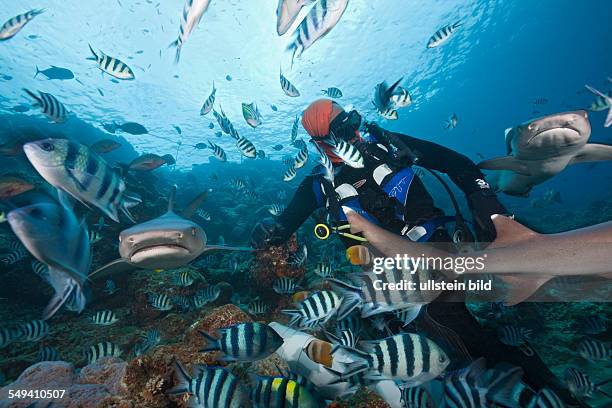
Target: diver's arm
column 466, row 175
column 301, row 206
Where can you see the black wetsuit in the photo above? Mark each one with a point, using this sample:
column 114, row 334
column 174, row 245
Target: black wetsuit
column 453, row 315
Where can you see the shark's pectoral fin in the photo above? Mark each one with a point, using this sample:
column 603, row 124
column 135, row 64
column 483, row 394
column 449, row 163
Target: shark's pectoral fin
column 593, row 152
column 228, row 248
column 521, row 287
column 506, row 163
column 509, row 232
column 116, row 266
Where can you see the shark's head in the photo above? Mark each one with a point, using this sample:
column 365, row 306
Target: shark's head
column 166, row 242
column 553, row 133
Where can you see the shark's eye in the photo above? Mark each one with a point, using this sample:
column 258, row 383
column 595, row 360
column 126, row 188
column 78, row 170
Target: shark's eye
column 194, row 232
column 531, row 126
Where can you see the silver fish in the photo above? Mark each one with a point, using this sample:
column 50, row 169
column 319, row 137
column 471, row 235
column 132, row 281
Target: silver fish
column 15, row 24
column 443, row 35
column 112, row 66
column 190, row 18
column 50, row 106
column 451, row 122
column 288, row 88
column 209, row 102
column 77, row 170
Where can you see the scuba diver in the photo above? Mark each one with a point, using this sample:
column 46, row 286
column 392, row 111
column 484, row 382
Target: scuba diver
column 385, row 189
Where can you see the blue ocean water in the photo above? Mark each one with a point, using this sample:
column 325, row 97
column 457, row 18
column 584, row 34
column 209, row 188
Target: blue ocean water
column 509, row 62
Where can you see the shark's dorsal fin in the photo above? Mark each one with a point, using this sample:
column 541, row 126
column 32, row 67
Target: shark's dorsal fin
column 509, row 231
column 171, row 198
column 194, row 205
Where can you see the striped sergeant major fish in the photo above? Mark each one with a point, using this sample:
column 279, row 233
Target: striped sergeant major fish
column 417, row 397
column 209, row 102
column 594, row 350
column 100, row 350
column 244, row 342
column 299, row 257
column 183, row 303
column 34, row 330
column 224, row 123
column 595, row 324
column 104, row 318
column 210, row 387
column 290, row 174
column 347, row 152
column 546, row 398
column 301, row 159
column 17, row 253
column 205, row 215
column 15, row 24
column 288, row 88
column 295, row 128
column 190, row 18
column 328, row 167
column 207, row 295
column 282, row 392
column 319, row 21
column 77, row 170
column 333, row 92
column 581, row 384
column 370, row 301
column 217, row 151
column 345, row 338
column 407, row 357
column 604, row 101
column 49, row 105
column 516, row 337
column 286, row 13
column 47, row 354
column 324, row 270
column 351, row 322
column 258, row 307
column 400, row 98
column 7, row 336
column 111, row 65
column 276, row 209
column 443, row 35
column 246, row 147
column 315, row 310
column 285, row 286
column 184, row 279
column 160, row 302
column 149, row 340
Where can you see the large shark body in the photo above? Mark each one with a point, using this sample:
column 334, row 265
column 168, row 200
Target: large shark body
column 522, row 258
column 166, row 242
column 542, row 148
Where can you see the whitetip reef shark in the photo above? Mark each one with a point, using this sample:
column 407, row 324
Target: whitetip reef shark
column 166, row 242
column 541, row 148
column 522, row 258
